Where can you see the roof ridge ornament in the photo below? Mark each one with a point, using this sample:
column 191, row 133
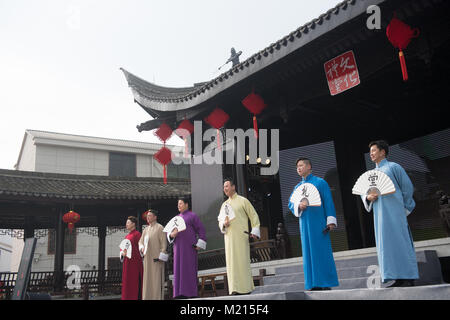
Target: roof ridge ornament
column 234, row 58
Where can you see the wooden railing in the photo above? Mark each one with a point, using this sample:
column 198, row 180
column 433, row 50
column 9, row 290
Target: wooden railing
column 91, row 281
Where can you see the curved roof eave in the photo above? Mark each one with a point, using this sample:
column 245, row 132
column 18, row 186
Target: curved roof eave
column 165, row 99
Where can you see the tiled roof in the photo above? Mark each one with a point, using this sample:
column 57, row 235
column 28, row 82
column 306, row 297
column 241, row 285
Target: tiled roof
column 154, row 97
column 93, row 140
column 64, row 186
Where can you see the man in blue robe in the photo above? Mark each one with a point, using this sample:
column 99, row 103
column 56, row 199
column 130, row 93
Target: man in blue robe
column 395, row 246
column 315, row 222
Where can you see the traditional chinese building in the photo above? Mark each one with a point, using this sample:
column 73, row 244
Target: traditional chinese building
column 331, row 86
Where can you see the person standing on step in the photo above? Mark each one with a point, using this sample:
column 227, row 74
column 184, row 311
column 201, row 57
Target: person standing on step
column 186, row 245
column 315, row 222
column 153, row 246
column 395, row 246
column 132, row 268
column 236, row 237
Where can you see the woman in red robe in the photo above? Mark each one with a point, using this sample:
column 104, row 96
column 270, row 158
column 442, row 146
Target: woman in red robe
column 132, row 270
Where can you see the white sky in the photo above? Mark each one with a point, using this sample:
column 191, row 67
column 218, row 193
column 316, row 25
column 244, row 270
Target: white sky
column 60, row 59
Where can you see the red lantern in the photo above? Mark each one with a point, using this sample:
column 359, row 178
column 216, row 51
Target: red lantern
column 184, row 130
column 144, row 215
column 400, row 34
column 255, row 104
column 71, row 218
column 217, row 119
column 164, row 155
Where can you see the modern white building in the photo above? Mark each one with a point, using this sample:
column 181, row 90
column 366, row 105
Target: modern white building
column 51, row 152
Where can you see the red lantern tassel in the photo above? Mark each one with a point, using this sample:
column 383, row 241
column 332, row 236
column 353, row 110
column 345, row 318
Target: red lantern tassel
column 218, row 140
column 255, row 126
column 403, row 65
column 165, row 174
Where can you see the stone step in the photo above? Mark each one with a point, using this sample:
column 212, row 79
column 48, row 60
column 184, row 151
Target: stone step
column 348, row 273
column 427, row 260
column 261, row 296
column 300, row 286
column 340, row 264
column 431, row 292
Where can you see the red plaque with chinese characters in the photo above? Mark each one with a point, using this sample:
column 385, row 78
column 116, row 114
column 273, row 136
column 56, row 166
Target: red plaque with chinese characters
column 342, row 73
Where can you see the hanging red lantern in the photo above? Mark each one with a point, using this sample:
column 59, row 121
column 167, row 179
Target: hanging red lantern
column 144, row 215
column 184, row 130
column 400, row 34
column 164, row 155
column 255, row 104
column 217, row 119
column 71, row 218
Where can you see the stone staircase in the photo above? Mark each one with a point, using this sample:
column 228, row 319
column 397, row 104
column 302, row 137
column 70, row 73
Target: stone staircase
column 358, row 279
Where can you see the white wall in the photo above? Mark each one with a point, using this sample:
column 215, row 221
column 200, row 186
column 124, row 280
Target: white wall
column 58, row 159
column 28, row 155
column 5, row 253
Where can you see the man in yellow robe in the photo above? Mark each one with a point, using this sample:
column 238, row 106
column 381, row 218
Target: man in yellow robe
column 237, row 246
column 152, row 246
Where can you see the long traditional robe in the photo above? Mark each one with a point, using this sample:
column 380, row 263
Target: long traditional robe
column 395, row 246
column 318, row 262
column 132, row 269
column 237, row 246
column 185, row 264
column 153, row 239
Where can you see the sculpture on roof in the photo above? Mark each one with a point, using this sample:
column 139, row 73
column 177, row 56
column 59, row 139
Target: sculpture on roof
column 234, row 58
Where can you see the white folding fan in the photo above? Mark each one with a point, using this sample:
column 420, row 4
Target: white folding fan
column 175, row 222
column 226, row 211
column 306, row 192
column 126, row 244
column 373, row 181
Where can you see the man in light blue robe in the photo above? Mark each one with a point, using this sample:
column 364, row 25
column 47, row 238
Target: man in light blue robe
column 395, row 246
column 315, row 223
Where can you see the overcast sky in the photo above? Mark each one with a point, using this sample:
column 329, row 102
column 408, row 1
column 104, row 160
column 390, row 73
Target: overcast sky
column 60, row 59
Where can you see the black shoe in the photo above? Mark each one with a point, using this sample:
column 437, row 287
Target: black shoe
column 402, row 283
column 407, row 283
column 316, row 289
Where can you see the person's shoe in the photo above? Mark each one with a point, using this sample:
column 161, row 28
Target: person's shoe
column 316, row 289
column 407, row 283
column 402, row 283
column 397, row 283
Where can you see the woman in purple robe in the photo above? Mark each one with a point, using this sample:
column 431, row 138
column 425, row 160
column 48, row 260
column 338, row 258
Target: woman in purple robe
column 186, row 243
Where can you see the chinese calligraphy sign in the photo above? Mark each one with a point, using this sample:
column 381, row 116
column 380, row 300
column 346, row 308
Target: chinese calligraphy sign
column 342, row 73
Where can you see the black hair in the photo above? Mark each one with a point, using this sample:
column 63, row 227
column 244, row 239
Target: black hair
column 307, row 160
column 155, row 213
column 132, row 219
column 185, row 200
column 230, row 180
column 381, row 145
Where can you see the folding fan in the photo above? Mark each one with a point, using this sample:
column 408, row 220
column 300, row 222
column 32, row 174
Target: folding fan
column 306, row 192
column 126, row 244
column 373, row 181
column 175, row 222
column 226, row 211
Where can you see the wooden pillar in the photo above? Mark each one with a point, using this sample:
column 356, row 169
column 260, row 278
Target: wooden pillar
column 29, row 228
column 101, row 253
column 59, row 253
